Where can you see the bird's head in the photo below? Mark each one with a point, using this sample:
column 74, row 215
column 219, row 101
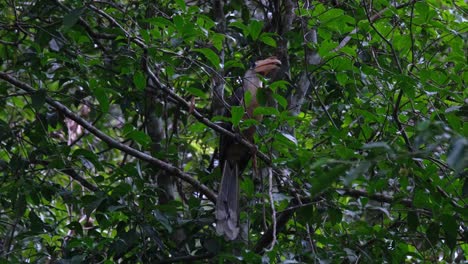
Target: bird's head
column 264, row 67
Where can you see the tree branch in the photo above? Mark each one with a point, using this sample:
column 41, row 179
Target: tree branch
column 186, row 259
column 187, row 106
column 113, row 143
column 294, row 205
column 373, row 18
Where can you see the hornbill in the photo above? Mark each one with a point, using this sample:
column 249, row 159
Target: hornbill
column 233, row 156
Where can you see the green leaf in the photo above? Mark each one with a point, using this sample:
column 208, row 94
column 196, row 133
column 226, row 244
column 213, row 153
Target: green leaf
column 264, row 110
column 4, row 131
column 139, row 80
column 432, row 234
column 36, row 223
column 145, row 35
column 342, row 78
column 262, row 96
column 247, row 187
column 268, row 40
column 218, row 40
column 212, row 246
column 454, row 121
column 70, row 19
column 89, row 156
column 281, row 100
column 178, row 23
column 92, row 202
column 306, row 214
column 402, row 43
column 196, row 92
column 247, row 98
column 255, row 27
column 237, row 112
column 103, row 98
column 121, row 190
column 324, row 180
column 335, row 215
column 421, row 199
column 181, row 4
column 20, row 206
column 377, row 145
column 210, row 55
column 450, row 226
column 161, row 22
column 76, row 227
column 281, row 84
column 330, row 14
column 465, row 188
column 118, row 247
column 240, row 25
column 140, row 137
column 320, row 162
column 457, row 157
column 413, row 221
column 163, row 220
column 38, row 99
column 326, row 47
column 356, row 171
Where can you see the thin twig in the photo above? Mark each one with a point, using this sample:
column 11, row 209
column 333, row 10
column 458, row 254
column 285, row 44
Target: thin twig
column 186, row 259
column 371, row 19
column 273, row 210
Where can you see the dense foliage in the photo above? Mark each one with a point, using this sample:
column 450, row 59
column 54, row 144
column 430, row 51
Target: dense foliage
column 109, row 126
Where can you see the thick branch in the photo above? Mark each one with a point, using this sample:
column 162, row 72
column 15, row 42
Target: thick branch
column 113, row 143
column 73, row 174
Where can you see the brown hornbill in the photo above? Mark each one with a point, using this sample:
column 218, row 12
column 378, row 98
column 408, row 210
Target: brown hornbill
column 233, row 156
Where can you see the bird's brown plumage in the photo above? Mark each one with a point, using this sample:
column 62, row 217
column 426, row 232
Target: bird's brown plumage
column 233, row 156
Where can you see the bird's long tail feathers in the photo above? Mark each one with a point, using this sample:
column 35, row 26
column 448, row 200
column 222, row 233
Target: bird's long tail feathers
column 227, row 205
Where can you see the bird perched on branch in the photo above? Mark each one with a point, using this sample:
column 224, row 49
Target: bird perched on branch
column 233, row 156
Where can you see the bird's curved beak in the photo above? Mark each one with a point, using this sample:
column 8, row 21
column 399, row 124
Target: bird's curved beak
column 267, row 65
